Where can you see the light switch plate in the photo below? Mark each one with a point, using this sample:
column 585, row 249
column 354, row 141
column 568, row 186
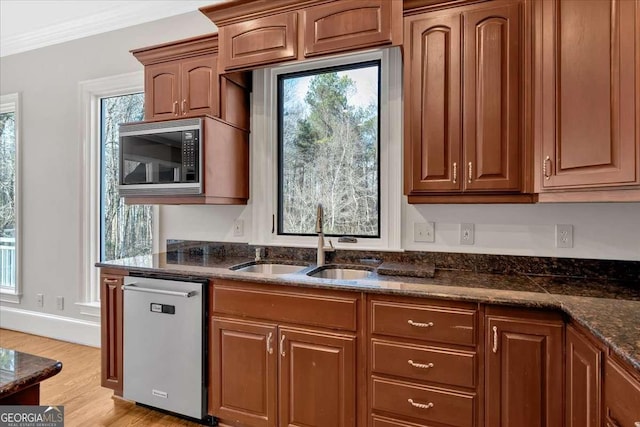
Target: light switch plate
column 564, row 236
column 467, row 234
column 238, row 228
column 424, row 232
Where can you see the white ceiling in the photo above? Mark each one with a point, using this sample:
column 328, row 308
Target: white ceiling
column 31, row 24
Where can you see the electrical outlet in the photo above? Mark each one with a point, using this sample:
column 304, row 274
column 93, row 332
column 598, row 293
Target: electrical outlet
column 564, row 236
column 40, row 300
column 467, row 234
column 238, row 228
column 60, row 303
column 424, row 232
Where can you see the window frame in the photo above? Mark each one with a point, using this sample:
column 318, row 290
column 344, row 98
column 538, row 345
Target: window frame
column 12, row 103
column 91, row 93
column 265, row 146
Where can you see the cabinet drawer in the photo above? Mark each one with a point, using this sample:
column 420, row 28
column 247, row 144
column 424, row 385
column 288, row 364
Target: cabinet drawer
column 259, row 41
column 424, row 363
column 621, row 396
column 262, row 302
column 430, row 323
column 425, row 403
column 388, row 422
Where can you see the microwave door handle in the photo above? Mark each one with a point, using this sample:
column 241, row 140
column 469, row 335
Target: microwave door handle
column 134, row 287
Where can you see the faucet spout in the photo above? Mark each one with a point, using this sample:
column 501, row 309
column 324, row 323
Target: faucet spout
column 322, row 249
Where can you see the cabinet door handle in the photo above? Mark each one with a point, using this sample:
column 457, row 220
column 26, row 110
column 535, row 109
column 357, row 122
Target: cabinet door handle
column 420, row 405
column 175, row 108
column 546, row 171
column 420, row 365
column 420, row 325
column 184, row 107
column 269, row 347
column 282, row 353
column 636, row 423
column 470, row 177
column 455, row 172
column 495, row 339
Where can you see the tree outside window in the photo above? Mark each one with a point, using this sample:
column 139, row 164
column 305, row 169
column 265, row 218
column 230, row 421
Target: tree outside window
column 328, row 125
column 8, row 199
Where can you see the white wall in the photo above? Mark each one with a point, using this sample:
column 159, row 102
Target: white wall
column 48, row 80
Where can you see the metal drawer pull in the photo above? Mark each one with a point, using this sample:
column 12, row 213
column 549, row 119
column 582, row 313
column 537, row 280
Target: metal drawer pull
column 175, row 108
column 470, row 172
column 547, row 175
column 269, row 348
column 495, row 339
column 184, row 107
column 455, row 172
column 282, row 353
column 420, row 325
column 110, row 281
column 421, row 405
column 420, row 365
column 134, row 287
column 637, row 423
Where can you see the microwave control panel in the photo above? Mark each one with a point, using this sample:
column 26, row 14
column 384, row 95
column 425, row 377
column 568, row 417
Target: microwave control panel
column 190, row 155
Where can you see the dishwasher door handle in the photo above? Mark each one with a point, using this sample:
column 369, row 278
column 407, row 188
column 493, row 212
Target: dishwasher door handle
column 134, row 287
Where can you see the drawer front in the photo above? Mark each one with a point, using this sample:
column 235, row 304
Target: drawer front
column 423, row 322
column 424, row 403
column 310, row 308
column 621, row 396
column 388, row 422
column 424, row 363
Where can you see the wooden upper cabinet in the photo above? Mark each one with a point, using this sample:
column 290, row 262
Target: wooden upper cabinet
column 492, row 109
column 162, row 90
column 348, row 24
column 465, row 134
column 523, row 371
column 259, row 41
column 432, row 100
column 583, row 382
column 587, row 122
column 200, row 86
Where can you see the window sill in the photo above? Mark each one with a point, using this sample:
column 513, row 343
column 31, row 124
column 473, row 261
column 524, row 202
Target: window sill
column 89, row 308
column 9, row 296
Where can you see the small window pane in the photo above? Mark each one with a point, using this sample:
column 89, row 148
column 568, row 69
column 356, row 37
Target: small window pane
column 328, row 122
column 8, row 200
column 126, row 230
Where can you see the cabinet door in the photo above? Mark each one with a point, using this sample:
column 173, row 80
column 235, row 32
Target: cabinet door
column 243, row 374
column 199, row 86
column 621, row 396
column 523, row 373
column 259, row 41
column 162, row 86
column 492, row 109
column 588, row 80
column 317, row 379
column 432, row 104
column 111, row 332
column 347, row 24
column 583, row 381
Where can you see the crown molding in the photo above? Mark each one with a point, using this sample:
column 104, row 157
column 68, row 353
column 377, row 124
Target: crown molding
column 123, row 16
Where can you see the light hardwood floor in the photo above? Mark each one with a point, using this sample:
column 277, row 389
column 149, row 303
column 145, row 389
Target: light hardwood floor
column 77, row 386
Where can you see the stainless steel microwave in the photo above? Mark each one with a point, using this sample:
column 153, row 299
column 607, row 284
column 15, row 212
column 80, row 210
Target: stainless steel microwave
column 161, row 158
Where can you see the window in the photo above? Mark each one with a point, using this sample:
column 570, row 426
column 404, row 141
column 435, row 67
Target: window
column 9, row 198
column 294, row 136
column 126, row 230
column 328, row 126
column 110, row 229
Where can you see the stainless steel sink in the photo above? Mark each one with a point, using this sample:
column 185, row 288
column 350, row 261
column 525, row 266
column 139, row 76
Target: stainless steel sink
column 271, row 268
column 340, row 273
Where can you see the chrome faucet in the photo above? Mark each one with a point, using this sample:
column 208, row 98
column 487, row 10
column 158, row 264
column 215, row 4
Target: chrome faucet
column 321, row 247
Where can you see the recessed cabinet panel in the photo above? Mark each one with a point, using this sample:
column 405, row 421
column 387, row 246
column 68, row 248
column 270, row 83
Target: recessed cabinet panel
column 588, row 78
column 583, row 381
column 433, row 93
column 111, row 332
column 492, row 131
column 346, row 24
column 259, row 41
column 161, row 94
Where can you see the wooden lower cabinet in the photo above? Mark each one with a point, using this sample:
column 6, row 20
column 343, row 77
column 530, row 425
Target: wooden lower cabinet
column 523, row 368
column 621, row 396
column 111, row 332
column 583, row 365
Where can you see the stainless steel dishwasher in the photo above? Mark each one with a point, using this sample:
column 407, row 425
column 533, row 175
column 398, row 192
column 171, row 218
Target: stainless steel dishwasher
column 164, row 345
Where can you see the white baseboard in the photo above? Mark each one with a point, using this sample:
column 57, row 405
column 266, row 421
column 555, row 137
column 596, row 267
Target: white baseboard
column 50, row 325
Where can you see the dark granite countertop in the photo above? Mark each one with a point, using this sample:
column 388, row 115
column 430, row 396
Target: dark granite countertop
column 609, row 309
column 20, row 370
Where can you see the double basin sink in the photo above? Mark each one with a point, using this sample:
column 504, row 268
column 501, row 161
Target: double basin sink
column 334, row 272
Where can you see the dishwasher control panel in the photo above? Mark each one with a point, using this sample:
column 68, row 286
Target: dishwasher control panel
column 163, row 308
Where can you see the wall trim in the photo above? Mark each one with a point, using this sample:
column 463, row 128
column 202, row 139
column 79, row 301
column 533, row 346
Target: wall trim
column 50, row 325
